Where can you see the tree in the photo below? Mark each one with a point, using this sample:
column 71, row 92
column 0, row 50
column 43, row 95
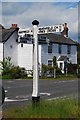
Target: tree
column 11, row 71
column 72, row 68
column 44, row 69
column 78, row 54
column 6, row 65
column 54, row 66
column 78, row 60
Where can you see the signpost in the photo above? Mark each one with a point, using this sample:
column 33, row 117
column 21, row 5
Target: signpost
column 35, row 94
column 44, row 29
column 33, row 33
column 51, row 29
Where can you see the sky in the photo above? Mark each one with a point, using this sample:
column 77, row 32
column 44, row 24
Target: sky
column 39, row 0
column 47, row 13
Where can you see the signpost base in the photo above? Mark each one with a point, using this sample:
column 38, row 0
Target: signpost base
column 36, row 99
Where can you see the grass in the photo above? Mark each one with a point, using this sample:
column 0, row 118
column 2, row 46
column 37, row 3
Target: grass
column 61, row 108
column 59, row 77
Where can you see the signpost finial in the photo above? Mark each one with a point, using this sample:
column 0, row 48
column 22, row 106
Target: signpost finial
column 35, row 22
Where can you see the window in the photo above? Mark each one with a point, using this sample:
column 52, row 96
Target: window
column 21, row 45
column 11, row 46
column 50, row 48
column 68, row 49
column 49, row 62
column 60, row 49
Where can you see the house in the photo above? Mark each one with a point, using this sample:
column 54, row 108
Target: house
column 19, row 46
column 8, row 43
column 50, row 45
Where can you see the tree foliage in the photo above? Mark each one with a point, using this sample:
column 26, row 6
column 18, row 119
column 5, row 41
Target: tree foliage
column 11, row 71
column 72, row 68
column 6, row 65
column 54, row 62
column 50, row 70
column 54, row 66
column 78, row 54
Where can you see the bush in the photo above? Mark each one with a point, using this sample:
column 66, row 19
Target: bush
column 9, row 71
column 58, row 71
column 49, row 70
column 6, row 65
column 17, row 72
column 79, row 71
column 72, row 68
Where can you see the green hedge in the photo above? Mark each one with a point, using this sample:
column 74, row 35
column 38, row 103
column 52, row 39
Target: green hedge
column 78, row 71
column 14, row 73
column 72, row 68
column 9, row 71
column 17, row 72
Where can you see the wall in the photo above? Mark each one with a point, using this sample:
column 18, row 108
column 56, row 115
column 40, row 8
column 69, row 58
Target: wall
column 1, row 54
column 40, row 60
column 11, row 49
column 64, row 50
column 45, row 56
column 73, row 56
column 25, row 56
column 1, row 51
column 44, row 53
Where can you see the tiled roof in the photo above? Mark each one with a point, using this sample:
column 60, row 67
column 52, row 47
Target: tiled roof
column 1, row 27
column 56, row 38
column 63, row 58
column 6, row 33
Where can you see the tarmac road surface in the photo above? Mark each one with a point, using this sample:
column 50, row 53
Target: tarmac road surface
column 19, row 92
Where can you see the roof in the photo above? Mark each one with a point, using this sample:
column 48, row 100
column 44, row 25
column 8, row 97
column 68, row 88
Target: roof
column 56, row 38
column 53, row 38
column 1, row 27
column 6, row 33
column 63, row 58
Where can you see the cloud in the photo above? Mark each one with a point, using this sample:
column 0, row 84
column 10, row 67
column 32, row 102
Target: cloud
column 48, row 13
column 1, row 13
column 39, row 0
column 10, row 8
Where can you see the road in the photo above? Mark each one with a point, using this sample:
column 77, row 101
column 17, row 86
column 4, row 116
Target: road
column 18, row 92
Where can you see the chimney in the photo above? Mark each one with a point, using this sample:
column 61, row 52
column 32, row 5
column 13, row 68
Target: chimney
column 14, row 26
column 65, row 31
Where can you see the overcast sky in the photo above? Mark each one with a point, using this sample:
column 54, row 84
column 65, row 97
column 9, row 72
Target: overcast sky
column 47, row 13
column 39, row 0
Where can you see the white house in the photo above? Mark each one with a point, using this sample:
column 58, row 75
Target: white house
column 50, row 45
column 20, row 49
column 8, row 43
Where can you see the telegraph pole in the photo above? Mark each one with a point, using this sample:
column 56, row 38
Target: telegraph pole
column 35, row 93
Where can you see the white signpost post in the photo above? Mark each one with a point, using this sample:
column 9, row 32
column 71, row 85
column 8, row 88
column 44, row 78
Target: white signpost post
column 35, row 94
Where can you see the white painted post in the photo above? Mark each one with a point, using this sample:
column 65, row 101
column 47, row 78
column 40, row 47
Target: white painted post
column 35, row 93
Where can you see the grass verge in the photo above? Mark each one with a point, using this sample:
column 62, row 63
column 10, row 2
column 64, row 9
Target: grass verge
column 60, row 77
column 61, row 108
